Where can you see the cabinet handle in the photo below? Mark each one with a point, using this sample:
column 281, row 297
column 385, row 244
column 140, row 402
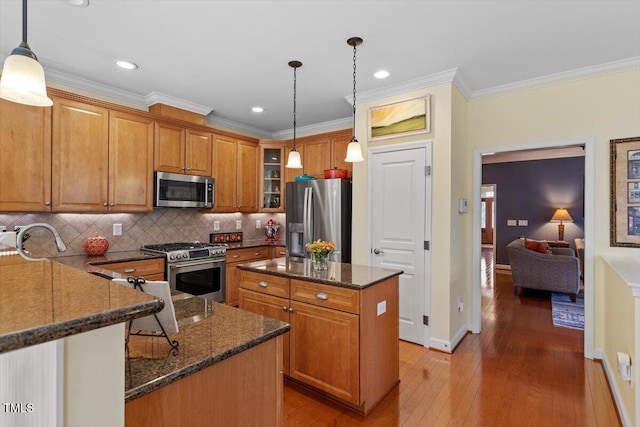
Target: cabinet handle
column 129, row 270
column 322, row 296
column 105, row 205
column 47, row 203
column 283, row 252
column 262, row 284
column 236, row 256
column 284, row 308
column 258, row 253
column 112, row 204
column 290, row 309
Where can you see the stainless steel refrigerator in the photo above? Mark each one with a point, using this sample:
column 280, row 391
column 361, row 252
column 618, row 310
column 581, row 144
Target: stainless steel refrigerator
column 319, row 209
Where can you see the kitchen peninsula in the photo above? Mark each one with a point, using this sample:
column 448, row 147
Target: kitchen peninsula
column 343, row 341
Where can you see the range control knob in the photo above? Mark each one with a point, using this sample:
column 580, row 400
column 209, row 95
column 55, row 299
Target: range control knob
column 172, row 257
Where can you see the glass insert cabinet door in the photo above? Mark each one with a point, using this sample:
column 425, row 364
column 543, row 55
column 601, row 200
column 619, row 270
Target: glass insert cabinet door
column 272, row 179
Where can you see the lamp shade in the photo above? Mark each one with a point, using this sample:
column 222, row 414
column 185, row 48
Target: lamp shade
column 561, row 215
column 23, row 81
column 293, row 161
column 354, row 152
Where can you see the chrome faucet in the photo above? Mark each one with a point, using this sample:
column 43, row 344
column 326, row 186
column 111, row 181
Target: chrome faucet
column 19, row 238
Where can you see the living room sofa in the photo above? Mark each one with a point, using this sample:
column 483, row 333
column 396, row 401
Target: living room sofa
column 557, row 271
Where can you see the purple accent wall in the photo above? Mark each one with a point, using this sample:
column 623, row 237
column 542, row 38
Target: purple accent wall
column 533, row 190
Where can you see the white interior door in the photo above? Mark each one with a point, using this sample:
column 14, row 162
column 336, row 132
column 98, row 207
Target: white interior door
column 400, row 206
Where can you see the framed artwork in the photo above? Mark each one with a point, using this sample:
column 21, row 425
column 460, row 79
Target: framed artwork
column 625, row 192
column 402, row 118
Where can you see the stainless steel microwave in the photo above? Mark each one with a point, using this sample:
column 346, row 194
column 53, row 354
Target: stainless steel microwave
column 173, row 190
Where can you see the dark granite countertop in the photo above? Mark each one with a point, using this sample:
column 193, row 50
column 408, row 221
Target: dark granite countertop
column 95, row 264
column 42, row 301
column 208, row 333
column 252, row 244
column 337, row 274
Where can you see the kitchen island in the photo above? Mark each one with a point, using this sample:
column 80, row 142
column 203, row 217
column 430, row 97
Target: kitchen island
column 343, row 341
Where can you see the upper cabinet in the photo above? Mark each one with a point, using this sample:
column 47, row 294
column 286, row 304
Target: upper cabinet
column 181, row 150
column 272, row 178
column 102, row 159
column 320, row 152
column 235, row 170
column 25, row 157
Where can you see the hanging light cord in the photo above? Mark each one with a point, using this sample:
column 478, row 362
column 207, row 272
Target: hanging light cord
column 24, row 23
column 353, row 138
column 294, row 107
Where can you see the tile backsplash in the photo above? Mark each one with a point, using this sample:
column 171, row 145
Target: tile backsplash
column 163, row 225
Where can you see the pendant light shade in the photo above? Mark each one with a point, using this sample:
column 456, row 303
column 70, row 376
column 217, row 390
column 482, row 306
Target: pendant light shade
column 354, row 151
column 22, row 78
column 294, row 161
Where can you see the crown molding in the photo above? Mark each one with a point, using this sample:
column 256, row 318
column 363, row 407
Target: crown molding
column 238, row 127
column 329, row 126
column 442, row 77
column 78, row 83
column 558, row 78
column 157, row 97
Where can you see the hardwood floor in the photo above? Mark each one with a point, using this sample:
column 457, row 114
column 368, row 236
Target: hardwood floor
column 521, row 370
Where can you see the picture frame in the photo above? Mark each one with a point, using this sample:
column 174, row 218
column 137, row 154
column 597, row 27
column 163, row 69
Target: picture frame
column 403, row 118
column 624, row 199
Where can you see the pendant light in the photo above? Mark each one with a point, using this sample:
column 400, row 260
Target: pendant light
column 354, row 151
column 22, row 78
column 293, row 161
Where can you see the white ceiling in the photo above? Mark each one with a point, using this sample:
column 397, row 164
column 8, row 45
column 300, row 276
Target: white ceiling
column 228, row 56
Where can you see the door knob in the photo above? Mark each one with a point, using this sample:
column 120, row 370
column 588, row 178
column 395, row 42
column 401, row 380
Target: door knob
column 377, row 251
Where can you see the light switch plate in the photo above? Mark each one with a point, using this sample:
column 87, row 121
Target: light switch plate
column 382, row 307
column 258, row 223
column 117, row 229
column 512, row 223
column 523, row 222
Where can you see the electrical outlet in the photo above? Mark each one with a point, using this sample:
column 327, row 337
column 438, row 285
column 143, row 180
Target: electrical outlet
column 239, row 224
column 460, row 304
column 117, row 229
column 382, row 307
column 512, row 223
column 258, row 223
column 3, row 228
column 216, row 225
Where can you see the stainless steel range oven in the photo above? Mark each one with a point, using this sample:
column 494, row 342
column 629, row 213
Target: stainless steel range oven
column 195, row 268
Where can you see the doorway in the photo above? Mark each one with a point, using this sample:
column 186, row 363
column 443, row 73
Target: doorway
column 400, row 212
column 488, row 214
column 589, row 231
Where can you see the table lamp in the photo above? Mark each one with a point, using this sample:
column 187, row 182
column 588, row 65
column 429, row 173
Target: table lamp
column 558, row 216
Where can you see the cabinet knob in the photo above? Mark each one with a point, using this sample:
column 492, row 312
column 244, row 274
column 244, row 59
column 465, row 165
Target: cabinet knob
column 258, row 253
column 290, row 309
column 322, row 296
column 262, row 284
column 105, row 205
column 112, row 204
column 236, row 256
column 129, row 270
column 284, row 308
column 47, row 203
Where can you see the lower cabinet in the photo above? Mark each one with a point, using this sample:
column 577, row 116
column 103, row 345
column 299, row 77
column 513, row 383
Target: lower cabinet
column 337, row 344
column 240, row 256
column 150, row 269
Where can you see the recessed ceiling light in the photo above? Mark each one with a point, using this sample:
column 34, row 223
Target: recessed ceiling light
column 257, row 109
column 127, row 65
column 78, row 3
column 382, row 74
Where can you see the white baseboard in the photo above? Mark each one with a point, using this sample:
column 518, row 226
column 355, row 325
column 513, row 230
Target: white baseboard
column 502, row 269
column 448, row 346
column 610, row 373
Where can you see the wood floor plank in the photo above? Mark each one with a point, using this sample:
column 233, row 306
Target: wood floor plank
column 520, row 370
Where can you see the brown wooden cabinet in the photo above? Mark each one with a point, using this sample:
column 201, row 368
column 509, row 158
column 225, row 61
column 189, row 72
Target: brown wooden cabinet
column 102, row 160
column 25, row 157
column 317, row 156
column 235, row 170
column 235, row 257
column 150, row 269
column 320, row 152
column 338, row 343
column 180, row 150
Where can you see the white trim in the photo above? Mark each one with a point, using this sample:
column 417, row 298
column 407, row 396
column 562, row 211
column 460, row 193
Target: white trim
column 558, row 78
column 459, row 335
column 157, row 97
column 589, row 231
column 615, row 390
column 446, row 76
column 338, row 124
column 239, row 127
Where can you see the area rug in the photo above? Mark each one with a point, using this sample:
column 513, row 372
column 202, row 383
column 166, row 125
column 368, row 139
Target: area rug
column 566, row 313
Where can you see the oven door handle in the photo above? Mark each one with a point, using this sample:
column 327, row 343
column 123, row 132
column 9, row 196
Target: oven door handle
column 189, row 264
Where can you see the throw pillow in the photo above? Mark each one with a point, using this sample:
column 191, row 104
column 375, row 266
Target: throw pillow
column 541, row 247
